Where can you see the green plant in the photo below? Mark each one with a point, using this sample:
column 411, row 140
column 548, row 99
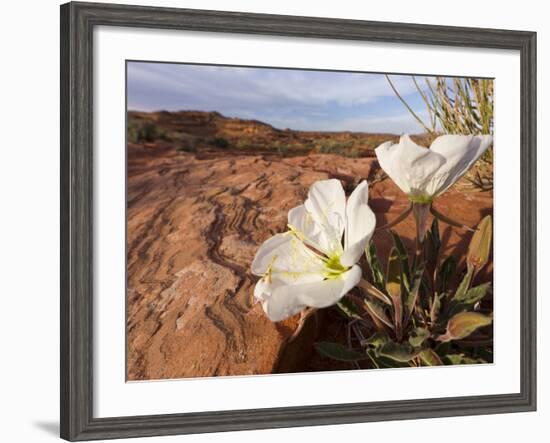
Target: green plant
column 413, row 313
column 133, row 133
column 353, row 153
column 334, row 147
column 139, row 132
column 220, row 142
column 457, row 105
column 244, row 144
column 281, row 148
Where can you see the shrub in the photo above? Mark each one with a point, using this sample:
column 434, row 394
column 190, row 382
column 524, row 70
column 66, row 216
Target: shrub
column 281, row 148
column 139, row 132
column 220, row 142
column 414, row 313
column 334, row 147
column 244, row 144
column 353, row 153
column 133, row 133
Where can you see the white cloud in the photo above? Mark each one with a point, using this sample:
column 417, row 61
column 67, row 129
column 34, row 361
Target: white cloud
column 298, row 99
column 258, row 85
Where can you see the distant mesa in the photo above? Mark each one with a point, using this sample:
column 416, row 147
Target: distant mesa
column 192, row 131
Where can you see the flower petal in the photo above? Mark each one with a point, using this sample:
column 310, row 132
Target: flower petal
column 288, row 300
column 409, row 165
column 300, row 220
column 327, row 205
column 327, row 292
column 360, row 224
column 460, row 153
column 281, row 307
column 263, row 289
column 286, row 258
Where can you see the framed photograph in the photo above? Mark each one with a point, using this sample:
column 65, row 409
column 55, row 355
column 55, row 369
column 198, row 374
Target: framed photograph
column 272, row 221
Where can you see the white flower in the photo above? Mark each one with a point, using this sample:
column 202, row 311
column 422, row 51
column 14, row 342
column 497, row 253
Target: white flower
column 309, row 266
column 424, row 173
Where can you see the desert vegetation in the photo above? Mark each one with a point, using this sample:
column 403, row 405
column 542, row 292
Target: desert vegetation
column 410, row 313
column 190, row 131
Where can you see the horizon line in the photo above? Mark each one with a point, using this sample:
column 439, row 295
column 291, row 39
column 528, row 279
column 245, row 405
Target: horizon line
column 273, row 126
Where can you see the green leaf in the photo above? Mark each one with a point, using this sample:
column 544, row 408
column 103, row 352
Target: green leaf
column 347, row 306
column 380, row 362
column 376, row 340
column 402, row 352
column 474, row 294
column 393, row 275
column 404, row 259
column 418, row 336
column 461, row 359
column 430, row 358
column 463, row 324
column 434, row 310
column 393, row 288
column 464, row 285
column 375, row 309
column 338, row 352
column 412, row 295
column 375, row 267
column 469, row 299
column 454, row 359
column 480, row 245
column 374, row 292
column 446, row 272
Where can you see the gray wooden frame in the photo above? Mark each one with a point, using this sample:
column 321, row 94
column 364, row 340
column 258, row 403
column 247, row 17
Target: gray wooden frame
column 77, row 23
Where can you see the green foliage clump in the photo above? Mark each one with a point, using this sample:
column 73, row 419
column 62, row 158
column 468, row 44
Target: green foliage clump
column 334, row 147
column 188, row 143
column 220, row 142
column 344, row 148
column 456, row 106
column 245, row 144
column 353, row 153
column 282, row 148
column 413, row 313
column 145, row 132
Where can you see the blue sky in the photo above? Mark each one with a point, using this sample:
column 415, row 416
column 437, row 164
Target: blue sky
column 284, row 98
